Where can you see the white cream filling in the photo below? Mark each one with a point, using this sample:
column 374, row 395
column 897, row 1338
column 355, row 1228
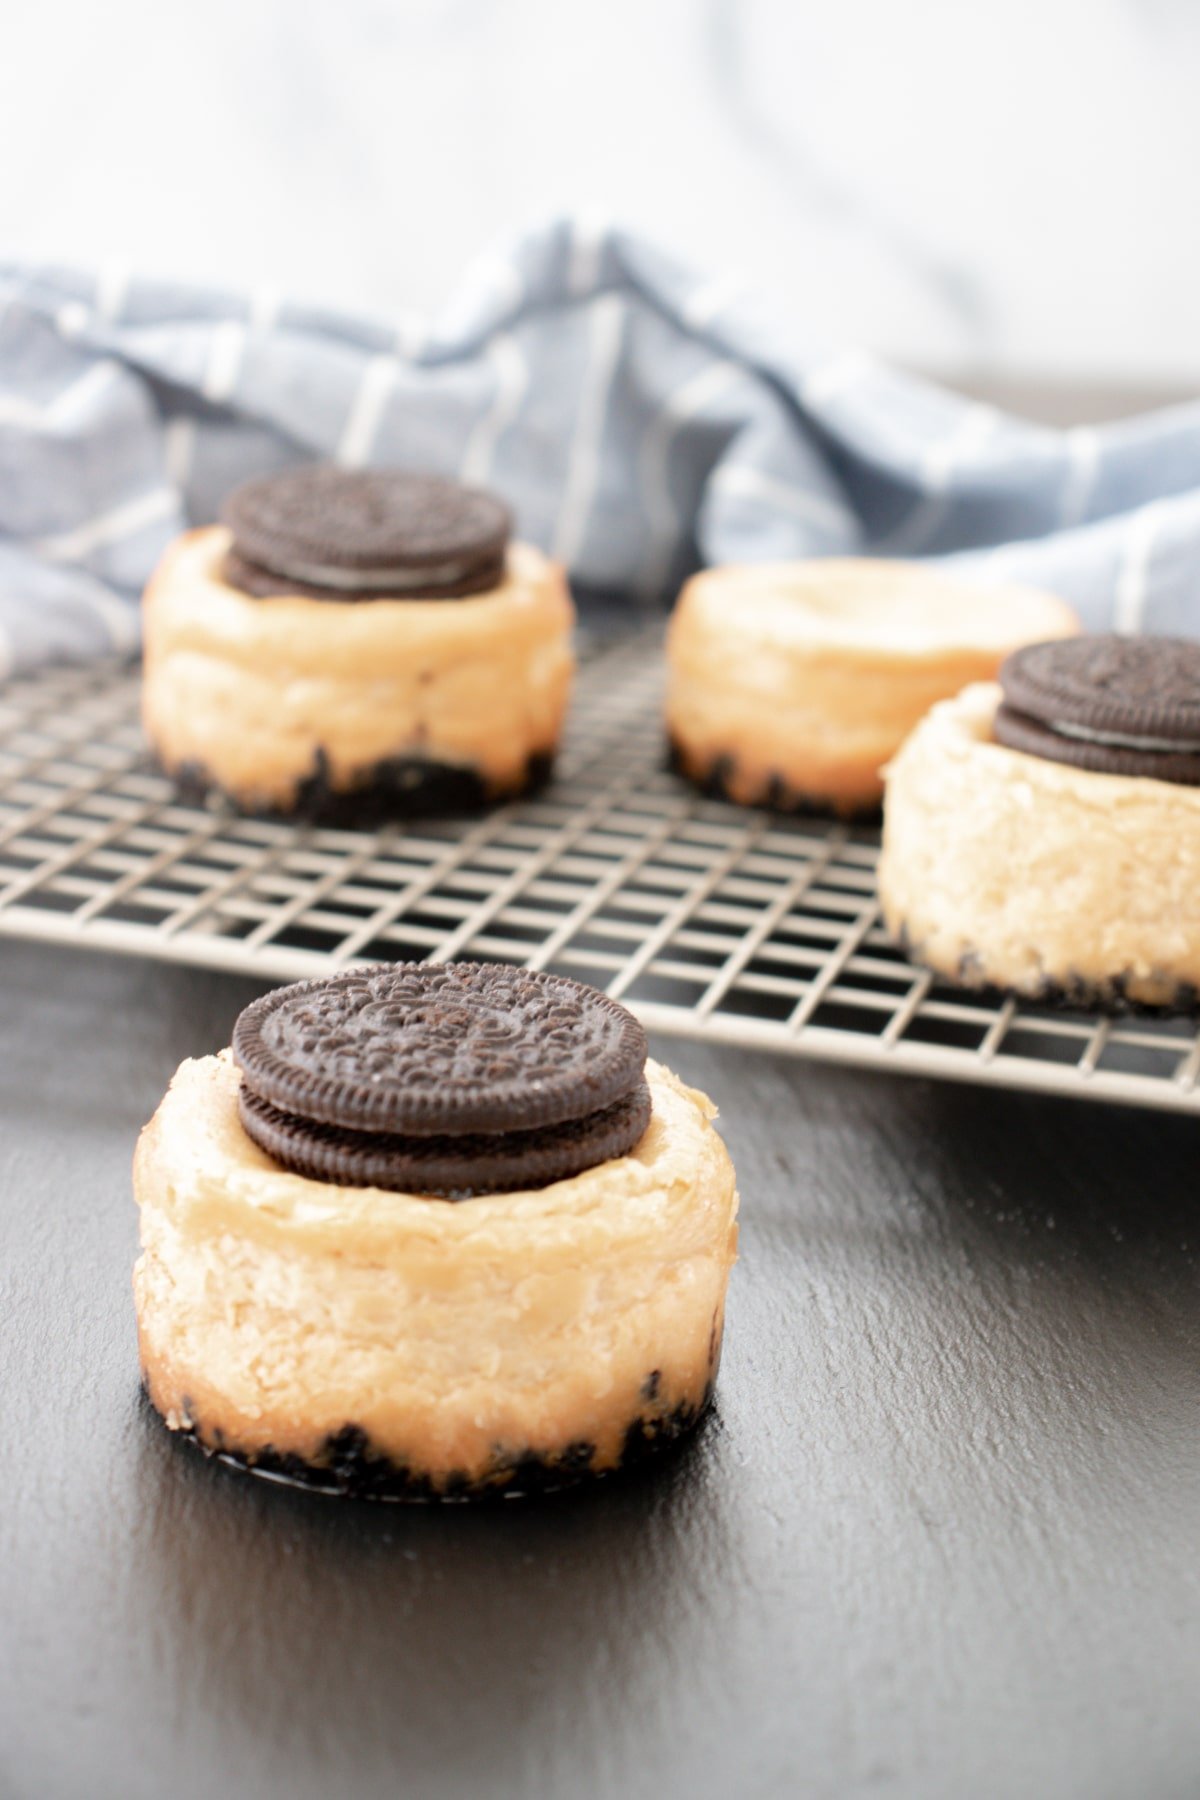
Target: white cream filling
column 1123, row 740
column 383, row 581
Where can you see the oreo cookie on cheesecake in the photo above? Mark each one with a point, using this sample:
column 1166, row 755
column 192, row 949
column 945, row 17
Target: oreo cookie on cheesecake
column 1116, row 705
column 791, row 685
column 457, row 1082
column 1043, row 834
column 430, row 1231
column 351, row 645
column 358, row 534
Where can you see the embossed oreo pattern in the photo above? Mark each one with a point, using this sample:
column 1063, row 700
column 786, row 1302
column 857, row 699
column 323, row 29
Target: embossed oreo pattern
column 1128, row 687
column 1114, row 705
column 418, row 1049
column 1125, row 706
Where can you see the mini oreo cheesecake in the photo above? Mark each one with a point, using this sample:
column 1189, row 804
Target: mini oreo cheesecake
column 791, row 684
column 431, row 1232
column 1043, row 835
column 351, row 645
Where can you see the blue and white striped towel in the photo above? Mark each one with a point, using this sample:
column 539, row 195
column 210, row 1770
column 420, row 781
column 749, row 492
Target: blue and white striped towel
column 638, row 420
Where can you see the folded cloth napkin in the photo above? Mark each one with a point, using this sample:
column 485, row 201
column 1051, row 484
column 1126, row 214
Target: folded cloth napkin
column 638, row 419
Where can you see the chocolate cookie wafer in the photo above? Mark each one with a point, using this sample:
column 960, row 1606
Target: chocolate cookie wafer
column 451, row 1167
column 1114, row 705
column 357, row 534
column 456, row 1080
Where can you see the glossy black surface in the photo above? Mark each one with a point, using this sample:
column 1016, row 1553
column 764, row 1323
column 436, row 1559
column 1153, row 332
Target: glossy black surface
column 939, row 1539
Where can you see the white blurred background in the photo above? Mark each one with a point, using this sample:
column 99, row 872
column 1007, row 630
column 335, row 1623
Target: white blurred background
column 993, row 191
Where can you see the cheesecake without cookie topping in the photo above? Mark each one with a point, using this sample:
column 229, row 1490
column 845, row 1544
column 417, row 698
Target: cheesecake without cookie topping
column 791, row 684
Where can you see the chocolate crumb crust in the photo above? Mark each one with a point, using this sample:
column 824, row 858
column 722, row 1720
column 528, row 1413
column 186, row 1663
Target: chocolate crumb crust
column 350, row 1467
column 398, row 787
column 775, row 794
column 1073, row 994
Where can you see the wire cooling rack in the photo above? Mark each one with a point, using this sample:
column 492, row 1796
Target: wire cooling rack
column 708, row 920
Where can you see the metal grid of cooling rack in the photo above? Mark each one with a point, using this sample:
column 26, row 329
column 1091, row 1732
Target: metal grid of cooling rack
column 710, row 921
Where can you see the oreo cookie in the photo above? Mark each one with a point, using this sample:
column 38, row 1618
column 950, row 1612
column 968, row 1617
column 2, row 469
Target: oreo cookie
column 455, row 1080
column 409, row 787
column 361, row 534
column 453, row 1167
column 1114, row 705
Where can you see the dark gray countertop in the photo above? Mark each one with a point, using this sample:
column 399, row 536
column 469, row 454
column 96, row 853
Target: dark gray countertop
column 939, row 1539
